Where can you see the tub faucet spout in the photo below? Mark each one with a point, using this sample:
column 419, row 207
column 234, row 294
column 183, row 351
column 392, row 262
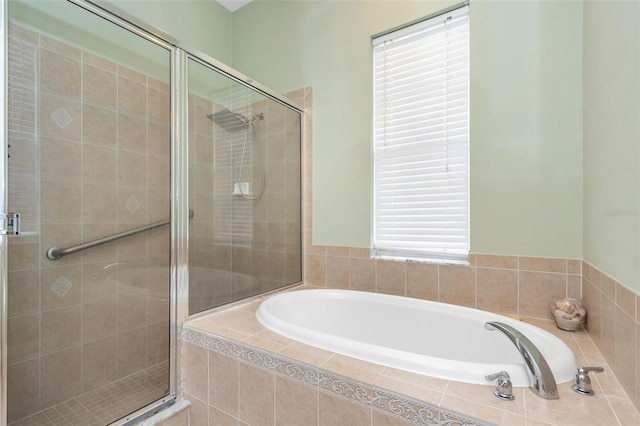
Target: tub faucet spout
column 543, row 383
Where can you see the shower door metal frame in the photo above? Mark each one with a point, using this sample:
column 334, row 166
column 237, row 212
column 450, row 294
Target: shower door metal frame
column 180, row 53
column 175, row 91
column 3, row 207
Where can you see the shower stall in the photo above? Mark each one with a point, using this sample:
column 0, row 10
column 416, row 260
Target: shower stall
column 142, row 182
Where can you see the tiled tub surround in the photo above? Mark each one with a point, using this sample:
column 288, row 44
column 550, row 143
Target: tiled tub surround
column 89, row 157
column 238, row 372
column 613, row 322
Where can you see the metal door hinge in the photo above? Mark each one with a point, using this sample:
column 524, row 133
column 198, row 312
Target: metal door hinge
column 11, row 223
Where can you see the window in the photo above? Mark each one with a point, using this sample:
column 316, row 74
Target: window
column 421, row 140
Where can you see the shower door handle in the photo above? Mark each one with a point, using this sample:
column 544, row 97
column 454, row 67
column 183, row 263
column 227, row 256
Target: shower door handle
column 11, row 223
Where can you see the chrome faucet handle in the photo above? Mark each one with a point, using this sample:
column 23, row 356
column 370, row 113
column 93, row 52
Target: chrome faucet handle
column 582, row 383
column 504, row 389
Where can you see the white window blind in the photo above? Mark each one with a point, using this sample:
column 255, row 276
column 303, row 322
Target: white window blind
column 421, row 139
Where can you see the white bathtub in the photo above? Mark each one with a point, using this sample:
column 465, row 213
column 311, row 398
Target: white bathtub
column 431, row 338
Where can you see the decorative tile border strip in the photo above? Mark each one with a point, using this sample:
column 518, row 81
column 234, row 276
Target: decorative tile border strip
column 449, row 418
column 405, row 408
column 402, row 407
column 345, row 388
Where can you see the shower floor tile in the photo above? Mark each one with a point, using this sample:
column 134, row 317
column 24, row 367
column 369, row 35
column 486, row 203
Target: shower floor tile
column 105, row 405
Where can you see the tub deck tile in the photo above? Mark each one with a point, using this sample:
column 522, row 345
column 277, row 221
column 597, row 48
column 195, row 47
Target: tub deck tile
column 236, row 333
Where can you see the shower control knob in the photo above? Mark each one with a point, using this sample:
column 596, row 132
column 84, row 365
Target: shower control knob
column 504, row 389
column 582, row 383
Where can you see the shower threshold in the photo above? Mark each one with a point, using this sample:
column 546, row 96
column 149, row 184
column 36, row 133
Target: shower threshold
column 104, row 405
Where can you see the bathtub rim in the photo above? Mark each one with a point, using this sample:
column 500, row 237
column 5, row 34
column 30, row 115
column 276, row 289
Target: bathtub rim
column 563, row 364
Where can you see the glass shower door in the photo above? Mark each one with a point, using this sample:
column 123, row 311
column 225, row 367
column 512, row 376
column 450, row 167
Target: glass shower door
column 244, row 187
column 89, row 159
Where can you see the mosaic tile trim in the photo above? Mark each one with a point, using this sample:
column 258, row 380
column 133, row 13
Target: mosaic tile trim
column 345, row 388
column 399, row 406
column 411, row 411
column 448, row 418
column 299, row 372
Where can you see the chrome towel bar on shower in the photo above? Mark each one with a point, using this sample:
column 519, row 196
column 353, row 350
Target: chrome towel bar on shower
column 55, row 253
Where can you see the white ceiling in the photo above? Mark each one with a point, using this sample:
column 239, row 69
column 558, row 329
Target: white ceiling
column 233, row 5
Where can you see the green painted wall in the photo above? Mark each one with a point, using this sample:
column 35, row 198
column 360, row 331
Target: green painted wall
column 612, row 139
column 201, row 24
column 526, row 128
column 526, row 132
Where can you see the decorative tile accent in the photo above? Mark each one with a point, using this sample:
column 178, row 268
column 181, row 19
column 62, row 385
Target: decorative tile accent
column 345, row 388
column 384, row 401
column 61, row 286
column 297, row 371
column 415, row 412
column 454, row 419
column 61, row 117
column 132, row 204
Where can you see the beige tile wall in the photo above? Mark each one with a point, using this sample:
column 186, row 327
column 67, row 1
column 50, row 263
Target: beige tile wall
column 613, row 323
column 513, row 285
column 89, row 158
column 232, row 337
column 231, row 390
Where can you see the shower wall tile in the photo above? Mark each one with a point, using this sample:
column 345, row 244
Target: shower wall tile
column 132, row 98
column 99, row 320
column 60, row 202
column 60, row 376
column 158, row 172
column 99, row 87
column 132, row 169
column 132, row 207
column 60, row 160
column 98, row 62
column 158, row 340
column 154, row 83
column 158, row 140
column 60, row 74
column 99, row 203
column 132, row 75
column 131, row 353
column 132, row 134
column 60, row 117
column 99, row 165
column 23, row 292
column 68, row 140
column 158, row 106
column 60, row 47
column 23, row 338
column 61, row 286
column 60, row 329
column 98, row 363
column 23, row 380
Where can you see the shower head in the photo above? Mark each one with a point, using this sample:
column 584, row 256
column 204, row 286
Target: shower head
column 233, row 121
